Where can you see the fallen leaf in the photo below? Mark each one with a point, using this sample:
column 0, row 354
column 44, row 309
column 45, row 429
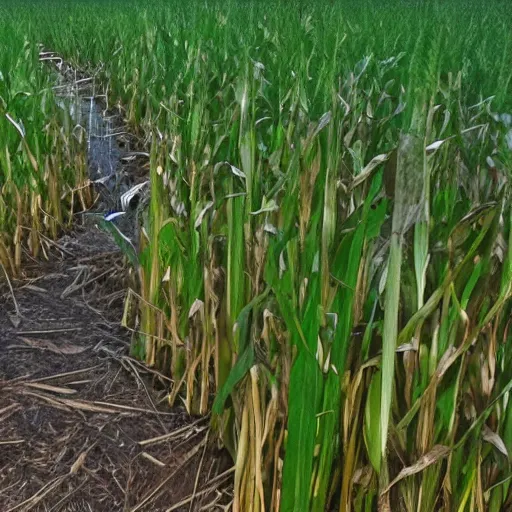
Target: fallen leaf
column 81, row 405
column 53, row 389
column 35, row 288
column 62, row 348
column 153, row 460
column 79, row 462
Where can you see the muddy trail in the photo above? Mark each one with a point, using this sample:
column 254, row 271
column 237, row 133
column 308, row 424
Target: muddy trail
column 84, row 426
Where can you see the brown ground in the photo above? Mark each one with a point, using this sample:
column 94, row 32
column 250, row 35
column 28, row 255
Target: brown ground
column 75, row 408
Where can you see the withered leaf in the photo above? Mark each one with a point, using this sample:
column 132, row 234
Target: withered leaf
column 61, row 348
column 437, row 453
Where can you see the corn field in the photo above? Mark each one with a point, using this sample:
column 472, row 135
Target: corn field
column 42, row 166
column 325, row 258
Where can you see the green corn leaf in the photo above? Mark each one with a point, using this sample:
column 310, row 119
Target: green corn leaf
column 240, row 369
column 246, row 359
column 372, row 422
column 121, row 240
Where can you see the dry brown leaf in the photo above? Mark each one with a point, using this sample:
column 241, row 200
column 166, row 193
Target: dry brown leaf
column 74, row 404
column 134, row 409
column 62, row 348
column 196, row 306
column 66, row 374
column 368, row 169
column 79, row 462
column 14, row 441
column 446, row 361
column 438, row 452
column 493, row 438
column 87, row 406
column 35, row 288
column 362, row 476
column 54, row 401
column 152, row 459
column 53, row 389
column 174, row 434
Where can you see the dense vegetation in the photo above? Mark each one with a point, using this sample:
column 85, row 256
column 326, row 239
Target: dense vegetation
column 42, row 165
column 328, row 242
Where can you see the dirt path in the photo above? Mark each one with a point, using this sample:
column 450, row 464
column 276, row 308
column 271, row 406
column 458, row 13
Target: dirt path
column 74, row 407
column 82, row 427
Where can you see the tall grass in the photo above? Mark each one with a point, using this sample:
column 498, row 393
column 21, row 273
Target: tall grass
column 328, row 243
